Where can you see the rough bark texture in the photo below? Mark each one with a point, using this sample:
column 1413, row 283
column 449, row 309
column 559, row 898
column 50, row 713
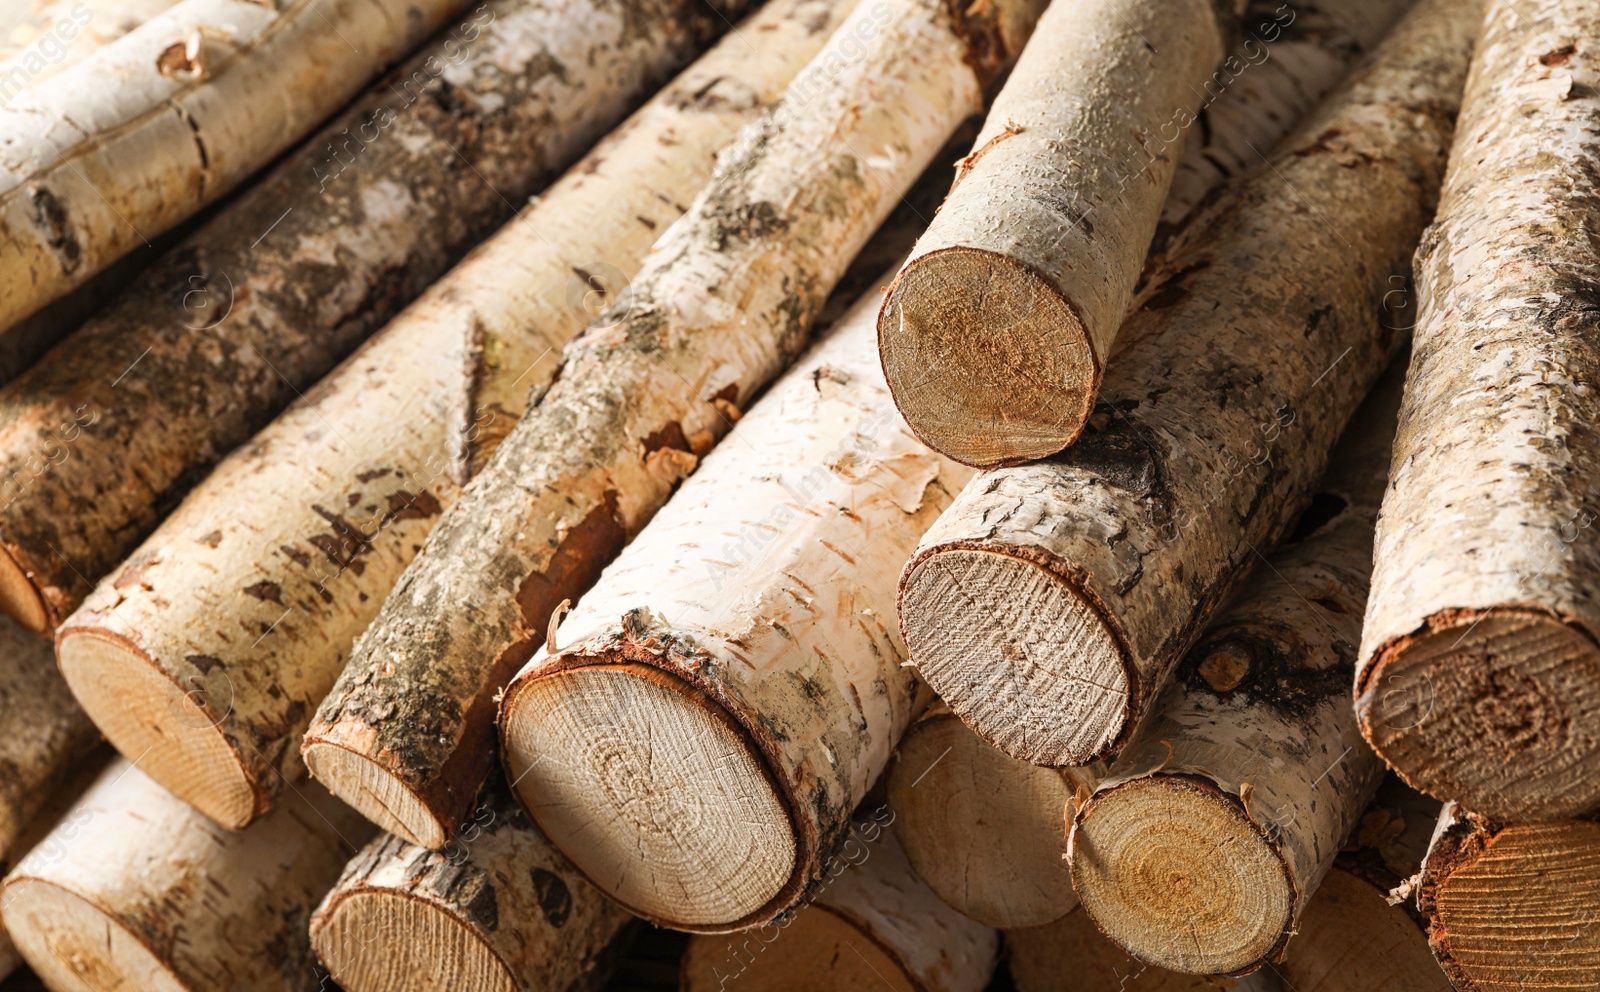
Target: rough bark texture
column 499, row 910
column 873, row 923
column 135, row 890
column 994, row 333
column 722, row 305
column 1256, row 732
column 43, row 733
column 300, row 534
column 1513, row 906
column 1480, row 674
column 986, row 832
column 776, row 564
column 1050, row 603
column 1040, row 957
column 150, row 129
column 1353, row 937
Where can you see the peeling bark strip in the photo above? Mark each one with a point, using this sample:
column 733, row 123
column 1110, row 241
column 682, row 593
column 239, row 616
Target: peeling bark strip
column 121, row 147
column 1031, row 261
column 776, row 564
column 1480, row 673
column 725, row 301
column 298, row 536
column 1199, row 850
column 43, row 733
column 986, row 832
column 1050, row 603
column 1353, row 937
column 1513, row 906
column 499, row 910
column 136, row 890
column 1039, row 957
column 874, row 925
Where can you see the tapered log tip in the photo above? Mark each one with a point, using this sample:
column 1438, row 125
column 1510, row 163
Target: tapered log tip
column 1019, row 652
column 20, row 598
column 1176, row 872
column 371, row 940
column 72, row 944
column 985, row 831
column 653, row 791
column 376, row 792
column 1497, row 709
column 986, row 359
column 171, row 730
column 820, row 951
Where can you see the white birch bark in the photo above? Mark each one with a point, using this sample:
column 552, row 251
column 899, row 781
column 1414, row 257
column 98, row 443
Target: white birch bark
column 49, row 36
column 766, row 586
column 986, row 832
column 135, row 890
column 994, row 333
column 1050, row 603
column 499, row 910
column 1480, row 672
column 1513, row 906
column 873, row 923
column 109, row 154
column 725, row 301
column 301, row 534
column 1199, row 850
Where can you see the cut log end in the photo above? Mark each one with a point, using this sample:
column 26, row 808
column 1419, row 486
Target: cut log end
column 170, row 730
column 1175, row 871
column 74, row 946
column 1498, row 709
column 1019, row 652
column 1018, row 391
column 20, row 598
column 985, row 831
column 376, row 793
column 437, row 951
column 1351, row 938
column 821, row 951
column 630, row 771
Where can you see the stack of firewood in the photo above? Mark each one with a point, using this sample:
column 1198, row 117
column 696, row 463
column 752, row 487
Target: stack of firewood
column 949, row 495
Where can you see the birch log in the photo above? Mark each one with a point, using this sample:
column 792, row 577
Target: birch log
column 54, row 35
column 499, row 910
column 724, row 302
column 1480, row 672
column 1040, row 958
column 300, row 534
column 873, row 924
column 994, row 332
column 116, row 150
column 1199, row 850
column 780, row 663
column 1354, row 936
column 1513, row 906
column 1050, row 603
column 43, row 733
column 135, row 890
column 986, row 832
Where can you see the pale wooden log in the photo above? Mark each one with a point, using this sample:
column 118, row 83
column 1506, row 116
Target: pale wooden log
column 135, row 890
column 873, row 924
column 53, row 35
column 498, row 910
column 763, row 596
column 986, row 832
column 725, row 301
column 303, row 532
column 1355, row 936
column 1071, row 953
column 116, row 150
column 1513, row 906
column 1480, row 671
column 1050, row 603
column 1200, row 848
column 43, row 733
column 264, row 299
